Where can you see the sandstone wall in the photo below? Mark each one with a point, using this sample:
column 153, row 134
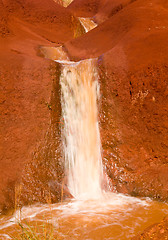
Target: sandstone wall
column 29, row 97
column 131, row 45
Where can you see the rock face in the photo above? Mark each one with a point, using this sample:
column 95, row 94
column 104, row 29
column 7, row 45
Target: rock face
column 84, row 8
column 133, row 57
column 156, row 231
column 28, row 89
column 130, row 43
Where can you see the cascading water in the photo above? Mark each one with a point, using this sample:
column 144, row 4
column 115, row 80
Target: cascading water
column 81, row 138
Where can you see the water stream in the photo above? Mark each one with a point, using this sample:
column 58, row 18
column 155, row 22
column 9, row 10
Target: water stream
column 81, row 140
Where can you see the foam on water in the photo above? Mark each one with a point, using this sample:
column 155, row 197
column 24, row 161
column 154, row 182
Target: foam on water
column 107, row 202
column 112, row 216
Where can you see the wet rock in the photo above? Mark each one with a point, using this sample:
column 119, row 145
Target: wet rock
column 133, row 76
column 156, row 231
column 27, row 91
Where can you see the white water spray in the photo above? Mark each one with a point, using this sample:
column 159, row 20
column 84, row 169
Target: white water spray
column 81, row 138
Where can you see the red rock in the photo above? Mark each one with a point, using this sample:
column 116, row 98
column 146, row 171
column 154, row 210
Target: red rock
column 155, row 232
column 133, row 60
column 136, row 71
column 84, row 8
column 27, row 90
column 108, row 8
column 100, row 10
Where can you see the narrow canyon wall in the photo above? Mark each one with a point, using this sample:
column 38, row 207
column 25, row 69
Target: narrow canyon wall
column 134, row 94
column 131, row 46
column 29, row 98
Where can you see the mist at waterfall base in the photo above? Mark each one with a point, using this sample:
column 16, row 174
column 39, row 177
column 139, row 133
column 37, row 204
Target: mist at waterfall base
column 93, row 213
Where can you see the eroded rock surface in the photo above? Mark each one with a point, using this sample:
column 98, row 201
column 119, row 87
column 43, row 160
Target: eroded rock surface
column 27, row 96
column 133, row 57
column 156, row 231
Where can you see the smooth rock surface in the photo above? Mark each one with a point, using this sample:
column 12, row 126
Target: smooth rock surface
column 133, row 58
column 27, row 84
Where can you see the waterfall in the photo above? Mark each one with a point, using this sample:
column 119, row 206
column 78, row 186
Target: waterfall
column 80, row 131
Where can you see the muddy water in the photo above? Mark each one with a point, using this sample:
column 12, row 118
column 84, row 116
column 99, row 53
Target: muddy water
column 114, row 217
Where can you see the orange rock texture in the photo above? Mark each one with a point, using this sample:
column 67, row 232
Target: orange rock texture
column 130, row 43
column 28, row 86
column 155, row 232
